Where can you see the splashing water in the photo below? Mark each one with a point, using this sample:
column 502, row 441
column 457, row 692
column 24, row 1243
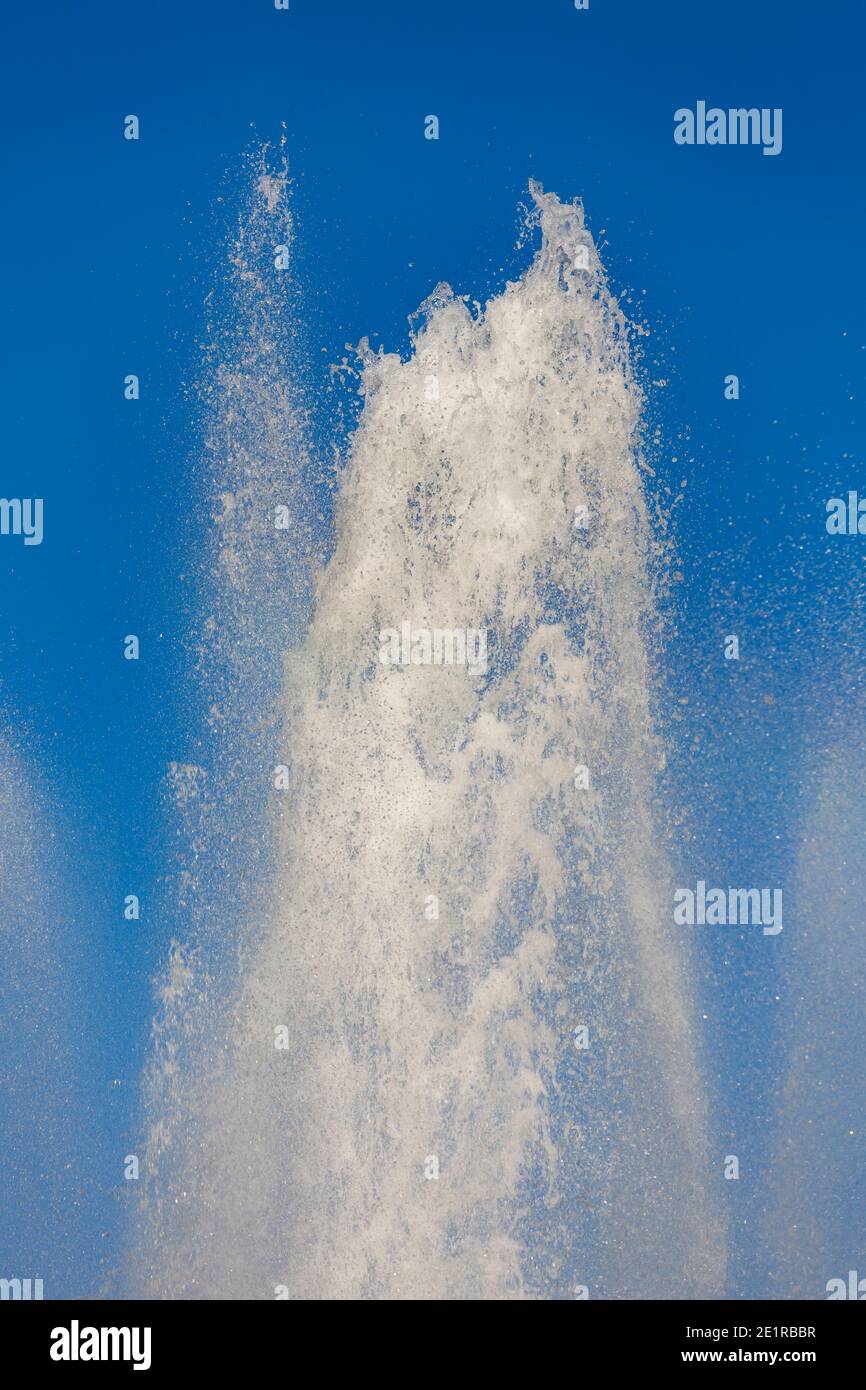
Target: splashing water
column 400, row 1102
column 819, row 1159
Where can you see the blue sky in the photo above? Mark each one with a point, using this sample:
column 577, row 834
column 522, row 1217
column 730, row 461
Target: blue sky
column 740, row 263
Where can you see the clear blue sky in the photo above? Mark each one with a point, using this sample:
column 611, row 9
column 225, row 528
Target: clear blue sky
column 749, row 264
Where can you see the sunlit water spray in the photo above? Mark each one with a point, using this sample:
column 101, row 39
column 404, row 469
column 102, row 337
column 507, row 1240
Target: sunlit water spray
column 459, row 1062
column 814, row 1226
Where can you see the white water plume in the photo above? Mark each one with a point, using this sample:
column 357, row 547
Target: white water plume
column 813, row 1232
column 451, row 899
